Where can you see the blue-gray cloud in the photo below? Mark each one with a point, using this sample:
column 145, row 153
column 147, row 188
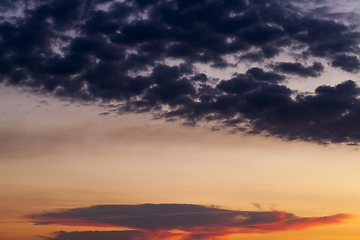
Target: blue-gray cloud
column 97, row 235
column 190, row 221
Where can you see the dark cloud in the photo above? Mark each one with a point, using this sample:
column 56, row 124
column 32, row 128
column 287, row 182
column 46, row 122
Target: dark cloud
column 97, row 235
column 194, row 221
column 347, row 63
column 259, row 75
column 127, row 235
column 143, row 53
column 298, row 69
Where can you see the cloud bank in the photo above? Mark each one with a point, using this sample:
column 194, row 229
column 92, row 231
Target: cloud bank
column 144, row 55
column 176, row 220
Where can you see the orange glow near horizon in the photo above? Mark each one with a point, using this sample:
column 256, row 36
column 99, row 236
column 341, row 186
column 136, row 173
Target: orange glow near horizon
column 269, row 222
column 179, row 120
column 71, row 164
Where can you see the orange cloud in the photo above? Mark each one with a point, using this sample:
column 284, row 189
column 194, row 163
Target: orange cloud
column 181, row 221
column 293, row 224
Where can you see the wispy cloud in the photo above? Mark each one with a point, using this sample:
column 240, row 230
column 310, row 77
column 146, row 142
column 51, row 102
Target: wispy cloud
column 181, row 219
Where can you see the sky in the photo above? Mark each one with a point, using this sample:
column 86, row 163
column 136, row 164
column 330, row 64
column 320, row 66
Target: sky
column 179, row 119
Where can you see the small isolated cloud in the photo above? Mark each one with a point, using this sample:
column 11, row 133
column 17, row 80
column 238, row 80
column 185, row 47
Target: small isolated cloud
column 257, row 205
column 186, row 220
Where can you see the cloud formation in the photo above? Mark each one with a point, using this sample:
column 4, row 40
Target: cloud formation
column 298, row 69
column 97, row 235
column 179, row 219
column 144, row 56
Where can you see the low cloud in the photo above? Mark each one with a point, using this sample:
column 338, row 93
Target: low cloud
column 184, row 219
column 127, row 235
column 97, row 235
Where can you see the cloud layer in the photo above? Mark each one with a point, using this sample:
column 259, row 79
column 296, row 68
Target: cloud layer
column 144, row 56
column 98, row 235
column 179, row 219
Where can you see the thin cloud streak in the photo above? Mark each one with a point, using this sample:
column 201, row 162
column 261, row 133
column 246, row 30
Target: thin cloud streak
column 124, row 235
column 189, row 219
column 96, row 235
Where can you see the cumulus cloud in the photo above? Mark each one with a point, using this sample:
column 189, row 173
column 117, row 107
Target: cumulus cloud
column 143, row 54
column 186, row 220
column 298, row 69
column 347, row 63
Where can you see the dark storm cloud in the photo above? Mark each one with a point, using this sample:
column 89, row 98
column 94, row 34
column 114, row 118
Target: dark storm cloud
column 143, row 55
column 195, row 221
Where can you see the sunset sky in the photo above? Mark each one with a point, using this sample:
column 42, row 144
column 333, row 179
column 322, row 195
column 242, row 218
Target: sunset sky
column 179, row 119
